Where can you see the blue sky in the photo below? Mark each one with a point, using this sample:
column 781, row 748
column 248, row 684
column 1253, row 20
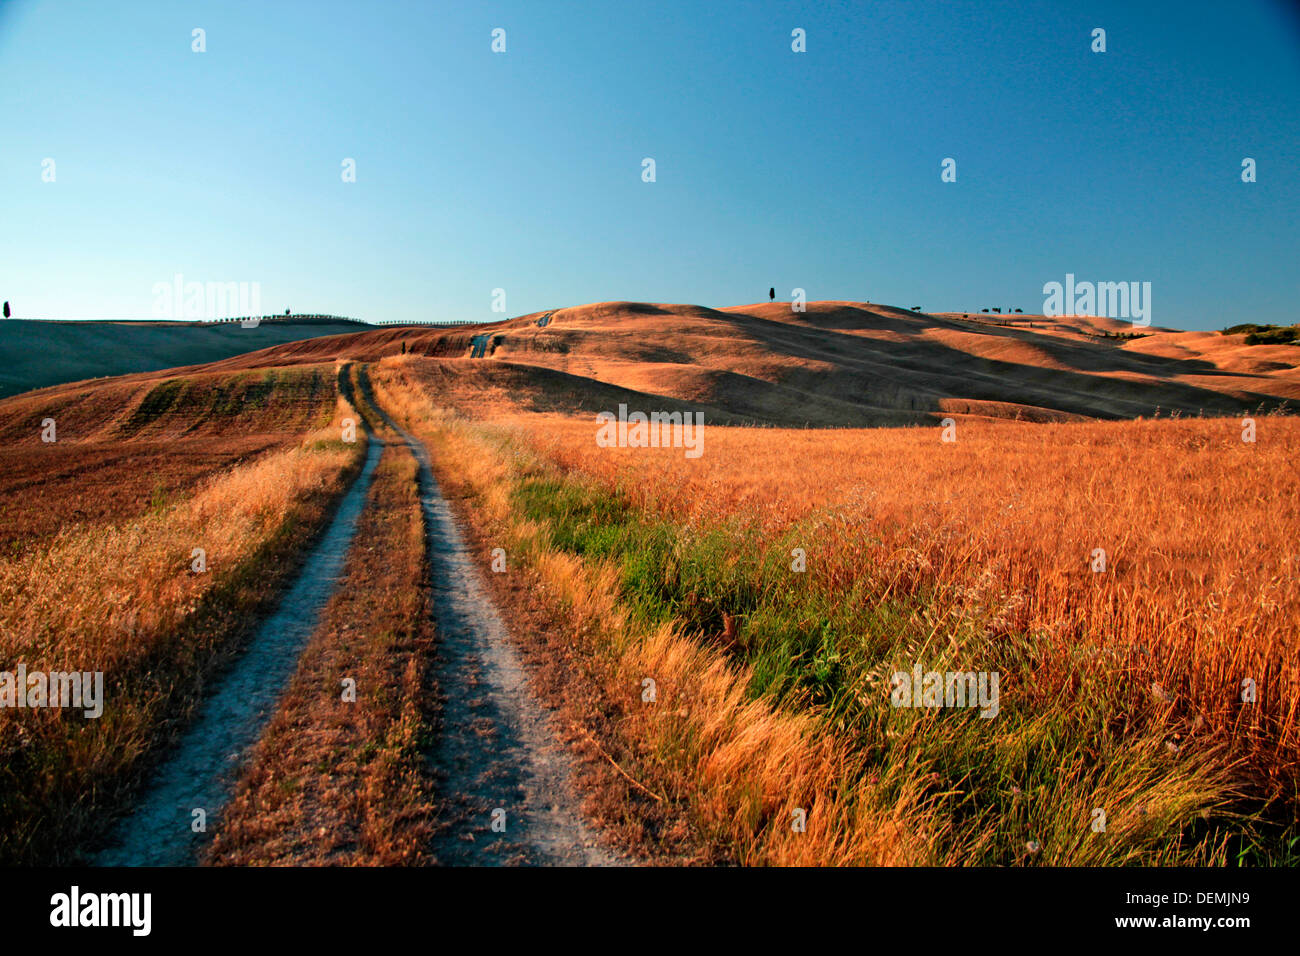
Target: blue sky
column 522, row 170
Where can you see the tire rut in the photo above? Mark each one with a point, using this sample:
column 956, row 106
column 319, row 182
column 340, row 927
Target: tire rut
column 497, row 749
column 201, row 770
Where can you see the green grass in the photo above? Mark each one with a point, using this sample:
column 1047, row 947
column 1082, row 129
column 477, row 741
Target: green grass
column 161, row 399
column 1035, row 772
column 1266, row 334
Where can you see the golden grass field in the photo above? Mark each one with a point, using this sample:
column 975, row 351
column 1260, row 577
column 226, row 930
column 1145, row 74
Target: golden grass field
column 1199, row 530
column 827, row 539
column 124, row 597
column 982, row 549
column 372, row 806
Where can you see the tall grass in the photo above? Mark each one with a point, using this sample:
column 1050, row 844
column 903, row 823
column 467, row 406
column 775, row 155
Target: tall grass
column 126, row 600
column 1120, row 691
column 345, row 783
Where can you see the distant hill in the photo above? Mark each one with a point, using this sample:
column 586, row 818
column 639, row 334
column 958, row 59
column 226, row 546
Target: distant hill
column 838, row 363
column 38, row 354
column 843, row 363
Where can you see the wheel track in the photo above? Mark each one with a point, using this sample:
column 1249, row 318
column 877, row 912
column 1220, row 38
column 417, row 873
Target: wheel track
column 201, row 770
column 497, row 748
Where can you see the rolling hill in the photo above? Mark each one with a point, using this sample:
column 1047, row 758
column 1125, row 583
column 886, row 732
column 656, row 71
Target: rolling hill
column 36, row 354
column 839, row 363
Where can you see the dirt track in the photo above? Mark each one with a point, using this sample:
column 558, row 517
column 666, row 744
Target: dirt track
column 497, row 759
column 497, row 749
column 201, row 770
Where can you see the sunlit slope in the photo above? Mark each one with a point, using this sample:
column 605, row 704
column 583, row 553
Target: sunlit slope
column 39, row 354
column 173, row 404
column 103, row 451
column 844, row 363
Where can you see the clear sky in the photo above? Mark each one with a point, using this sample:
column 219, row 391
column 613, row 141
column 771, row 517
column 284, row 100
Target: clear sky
column 522, row 170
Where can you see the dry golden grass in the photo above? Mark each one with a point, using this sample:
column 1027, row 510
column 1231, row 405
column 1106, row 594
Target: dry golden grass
column 68, row 484
column 746, row 763
column 170, row 405
column 91, row 602
column 125, row 446
column 336, row 782
column 1122, row 689
column 1200, row 531
column 124, row 599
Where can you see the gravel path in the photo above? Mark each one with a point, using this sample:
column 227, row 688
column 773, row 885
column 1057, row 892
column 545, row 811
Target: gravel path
column 497, row 749
column 201, row 770
column 497, row 758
